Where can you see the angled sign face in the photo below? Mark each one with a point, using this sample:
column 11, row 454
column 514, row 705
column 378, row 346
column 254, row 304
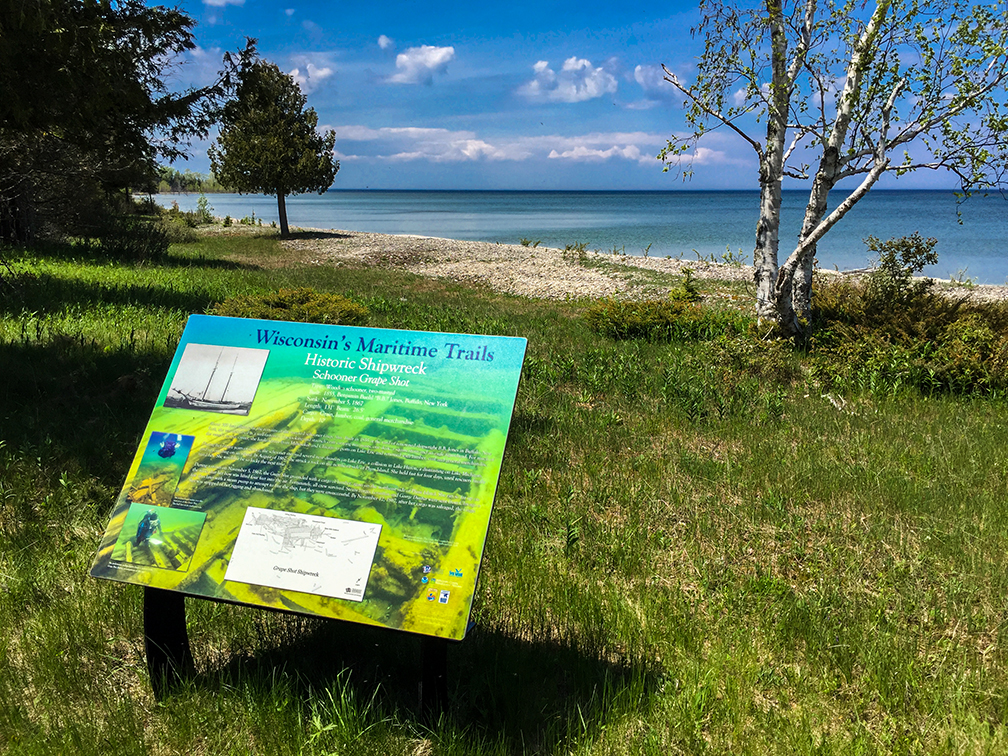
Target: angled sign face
column 334, row 471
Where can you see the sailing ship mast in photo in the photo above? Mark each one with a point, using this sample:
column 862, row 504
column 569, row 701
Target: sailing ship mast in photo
column 177, row 398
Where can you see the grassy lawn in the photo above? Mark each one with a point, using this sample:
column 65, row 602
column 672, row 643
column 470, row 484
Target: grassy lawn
column 694, row 549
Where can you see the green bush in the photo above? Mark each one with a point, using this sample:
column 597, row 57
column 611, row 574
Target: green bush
column 184, row 217
column 675, row 318
column 178, row 232
column 907, row 338
column 132, row 238
column 892, row 280
column 298, row 305
column 843, row 311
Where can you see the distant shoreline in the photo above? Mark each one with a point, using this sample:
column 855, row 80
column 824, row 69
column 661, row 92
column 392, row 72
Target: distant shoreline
column 689, row 225
column 346, row 190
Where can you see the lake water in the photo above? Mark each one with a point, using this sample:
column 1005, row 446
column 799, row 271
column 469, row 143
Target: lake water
column 678, row 223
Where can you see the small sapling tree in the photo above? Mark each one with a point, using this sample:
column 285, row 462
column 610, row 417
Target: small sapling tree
column 846, row 90
column 268, row 141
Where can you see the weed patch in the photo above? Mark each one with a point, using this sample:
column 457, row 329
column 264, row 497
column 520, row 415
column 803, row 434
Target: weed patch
column 673, row 319
column 298, row 305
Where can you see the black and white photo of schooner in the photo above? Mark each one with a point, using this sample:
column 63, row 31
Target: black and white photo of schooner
column 213, row 378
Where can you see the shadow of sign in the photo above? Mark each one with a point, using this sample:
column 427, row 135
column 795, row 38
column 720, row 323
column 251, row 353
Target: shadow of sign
column 527, row 695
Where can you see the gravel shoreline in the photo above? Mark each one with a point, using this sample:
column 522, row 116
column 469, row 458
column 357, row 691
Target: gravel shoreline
column 539, row 272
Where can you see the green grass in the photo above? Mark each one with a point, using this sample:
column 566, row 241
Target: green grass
column 694, row 549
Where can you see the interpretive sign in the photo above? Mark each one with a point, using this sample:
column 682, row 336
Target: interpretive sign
column 330, row 470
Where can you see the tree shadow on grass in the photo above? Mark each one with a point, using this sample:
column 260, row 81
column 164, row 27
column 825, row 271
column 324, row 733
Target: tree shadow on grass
column 44, row 293
column 70, row 400
column 524, row 695
column 83, row 253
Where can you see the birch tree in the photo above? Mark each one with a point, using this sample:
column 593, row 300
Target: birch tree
column 826, row 91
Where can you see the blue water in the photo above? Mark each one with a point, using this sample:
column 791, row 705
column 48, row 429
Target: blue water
column 678, row 223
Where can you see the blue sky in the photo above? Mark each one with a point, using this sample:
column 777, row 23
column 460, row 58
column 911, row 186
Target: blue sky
column 467, row 95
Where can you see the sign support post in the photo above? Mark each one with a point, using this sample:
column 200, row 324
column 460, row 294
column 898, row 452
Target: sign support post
column 434, row 678
column 166, row 640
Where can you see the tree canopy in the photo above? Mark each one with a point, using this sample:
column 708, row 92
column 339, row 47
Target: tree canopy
column 268, row 141
column 847, row 90
column 84, row 105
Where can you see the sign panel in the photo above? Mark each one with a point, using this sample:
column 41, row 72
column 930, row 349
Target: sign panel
column 330, row 470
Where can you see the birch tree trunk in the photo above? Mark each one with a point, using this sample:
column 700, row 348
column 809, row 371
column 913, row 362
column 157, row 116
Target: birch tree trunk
column 771, row 171
column 801, row 285
column 793, row 292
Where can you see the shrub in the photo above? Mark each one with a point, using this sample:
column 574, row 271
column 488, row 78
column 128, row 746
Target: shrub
column 298, row 305
column 843, row 310
column 661, row 320
column 891, row 282
column 688, row 291
column 204, row 212
column 177, row 231
column 132, row 238
column 914, row 339
column 182, row 217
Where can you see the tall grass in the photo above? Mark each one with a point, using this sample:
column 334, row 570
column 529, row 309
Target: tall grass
column 697, row 546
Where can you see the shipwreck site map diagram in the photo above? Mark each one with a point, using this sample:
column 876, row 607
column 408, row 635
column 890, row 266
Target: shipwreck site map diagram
column 325, row 556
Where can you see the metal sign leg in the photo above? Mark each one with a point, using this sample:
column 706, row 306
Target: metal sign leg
column 166, row 641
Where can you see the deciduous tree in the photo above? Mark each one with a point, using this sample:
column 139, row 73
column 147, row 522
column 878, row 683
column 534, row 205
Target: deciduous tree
column 268, row 140
column 846, row 90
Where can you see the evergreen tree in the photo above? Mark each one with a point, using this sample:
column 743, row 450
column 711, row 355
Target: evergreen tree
column 84, row 107
column 268, row 141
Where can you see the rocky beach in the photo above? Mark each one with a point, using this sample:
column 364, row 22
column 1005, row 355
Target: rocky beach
column 539, row 272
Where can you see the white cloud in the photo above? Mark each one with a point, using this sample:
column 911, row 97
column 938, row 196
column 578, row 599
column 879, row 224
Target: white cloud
column 639, row 147
column 398, row 144
column 657, row 91
column 385, row 42
column 222, row 3
column 630, row 152
column 651, row 79
column 311, row 76
column 201, row 67
column 289, row 12
column 417, row 65
column 577, row 81
column 202, row 54
column 706, row 156
column 643, row 104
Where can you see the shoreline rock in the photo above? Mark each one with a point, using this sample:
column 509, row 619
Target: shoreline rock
column 538, row 272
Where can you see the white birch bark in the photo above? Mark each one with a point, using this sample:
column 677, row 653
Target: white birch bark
column 772, row 157
column 794, row 295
